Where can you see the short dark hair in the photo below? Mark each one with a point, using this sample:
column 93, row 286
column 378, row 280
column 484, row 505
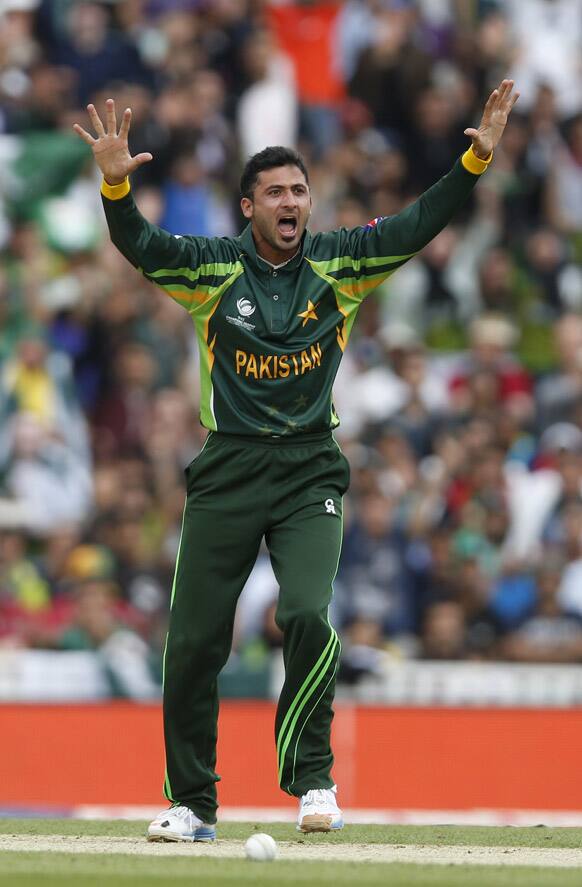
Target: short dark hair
column 269, row 158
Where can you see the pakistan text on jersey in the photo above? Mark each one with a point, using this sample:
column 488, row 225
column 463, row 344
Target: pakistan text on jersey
column 275, row 366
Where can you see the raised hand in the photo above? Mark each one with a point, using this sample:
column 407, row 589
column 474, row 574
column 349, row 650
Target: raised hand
column 495, row 114
column 110, row 148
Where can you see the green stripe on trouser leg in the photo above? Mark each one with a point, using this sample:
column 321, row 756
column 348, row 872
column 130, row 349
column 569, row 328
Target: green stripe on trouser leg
column 239, row 490
column 316, row 686
column 293, row 712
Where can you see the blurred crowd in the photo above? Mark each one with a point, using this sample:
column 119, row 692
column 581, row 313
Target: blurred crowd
column 460, row 394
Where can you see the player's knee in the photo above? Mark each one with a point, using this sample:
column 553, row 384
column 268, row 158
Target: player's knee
column 189, row 653
column 304, row 619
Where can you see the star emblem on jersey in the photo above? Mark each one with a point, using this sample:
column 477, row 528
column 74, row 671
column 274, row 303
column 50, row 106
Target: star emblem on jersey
column 309, row 313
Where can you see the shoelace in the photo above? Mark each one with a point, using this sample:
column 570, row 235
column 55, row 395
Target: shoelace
column 318, row 796
column 181, row 812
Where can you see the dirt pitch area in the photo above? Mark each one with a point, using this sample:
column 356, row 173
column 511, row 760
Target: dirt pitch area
column 379, row 853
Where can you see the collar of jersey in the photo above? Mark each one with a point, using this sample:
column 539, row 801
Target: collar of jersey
column 248, row 246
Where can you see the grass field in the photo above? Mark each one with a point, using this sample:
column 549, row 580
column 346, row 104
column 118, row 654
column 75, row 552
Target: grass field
column 78, row 861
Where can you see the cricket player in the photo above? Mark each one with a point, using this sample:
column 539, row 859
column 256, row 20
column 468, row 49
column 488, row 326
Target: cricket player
column 273, row 310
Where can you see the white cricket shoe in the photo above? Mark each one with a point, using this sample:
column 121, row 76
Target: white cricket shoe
column 180, row 824
column 319, row 812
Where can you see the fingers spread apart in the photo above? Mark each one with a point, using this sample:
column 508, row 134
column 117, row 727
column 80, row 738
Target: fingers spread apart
column 125, row 122
column 96, row 121
column 87, row 137
column 111, row 119
column 98, row 124
column 505, row 100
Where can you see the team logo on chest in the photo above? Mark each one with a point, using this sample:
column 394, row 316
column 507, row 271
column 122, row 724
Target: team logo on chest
column 245, row 309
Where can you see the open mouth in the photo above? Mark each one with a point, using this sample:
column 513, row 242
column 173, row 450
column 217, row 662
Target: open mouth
column 287, row 226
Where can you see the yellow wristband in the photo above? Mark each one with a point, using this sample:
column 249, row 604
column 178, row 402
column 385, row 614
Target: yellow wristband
column 474, row 164
column 115, row 192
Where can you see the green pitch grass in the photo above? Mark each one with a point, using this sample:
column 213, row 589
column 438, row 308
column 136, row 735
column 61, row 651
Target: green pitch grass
column 26, row 869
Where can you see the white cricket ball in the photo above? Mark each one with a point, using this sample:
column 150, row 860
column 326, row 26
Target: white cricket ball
column 261, row 848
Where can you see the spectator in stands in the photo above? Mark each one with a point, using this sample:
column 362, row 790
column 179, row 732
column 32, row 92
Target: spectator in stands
column 306, row 32
column 559, row 394
column 496, row 281
column 39, row 383
column 53, row 558
column 491, row 374
column 267, row 112
column 191, row 203
column 513, row 595
column 95, row 626
column 19, row 49
column 134, row 534
column 445, row 286
column 96, row 54
column 564, row 193
column 553, row 633
column 563, row 443
column 364, row 652
column 570, row 594
column 401, row 389
column 435, row 135
column 391, row 70
column 373, row 578
column 536, row 492
column 49, row 479
column 549, row 283
column 443, row 634
column 122, row 415
column 558, row 281
column 546, row 50
column 25, row 598
column 432, row 569
column 545, row 137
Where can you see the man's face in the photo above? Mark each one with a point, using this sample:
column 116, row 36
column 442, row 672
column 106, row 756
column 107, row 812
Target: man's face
column 278, row 211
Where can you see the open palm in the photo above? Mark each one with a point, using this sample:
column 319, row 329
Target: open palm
column 110, row 148
column 495, row 115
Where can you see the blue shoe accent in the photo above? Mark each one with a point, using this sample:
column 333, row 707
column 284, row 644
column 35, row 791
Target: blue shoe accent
column 179, row 823
column 204, row 833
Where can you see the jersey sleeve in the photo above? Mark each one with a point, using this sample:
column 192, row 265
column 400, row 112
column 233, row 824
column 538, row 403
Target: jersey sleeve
column 373, row 252
column 192, row 270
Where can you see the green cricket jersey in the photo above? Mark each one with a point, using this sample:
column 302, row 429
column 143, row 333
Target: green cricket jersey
column 271, row 340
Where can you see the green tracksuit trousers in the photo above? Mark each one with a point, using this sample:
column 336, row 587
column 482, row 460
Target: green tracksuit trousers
column 239, row 490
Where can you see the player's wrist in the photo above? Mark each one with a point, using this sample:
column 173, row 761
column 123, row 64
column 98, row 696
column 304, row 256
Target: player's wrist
column 480, row 154
column 474, row 163
column 115, row 191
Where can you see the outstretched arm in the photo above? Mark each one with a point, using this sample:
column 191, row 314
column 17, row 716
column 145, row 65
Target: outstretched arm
column 415, row 226
column 143, row 244
column 190, row 269
column 173, row 263
column 387, row 243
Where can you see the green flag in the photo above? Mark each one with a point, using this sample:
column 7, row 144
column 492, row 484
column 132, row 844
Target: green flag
column 40, row 165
